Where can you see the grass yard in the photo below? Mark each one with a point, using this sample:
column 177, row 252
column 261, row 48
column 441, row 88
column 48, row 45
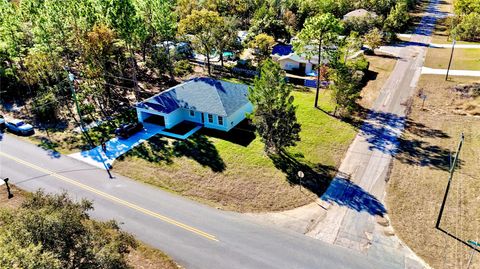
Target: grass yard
column 143, row 257
column 420, row 173
column 463, row 59
column 233, row 173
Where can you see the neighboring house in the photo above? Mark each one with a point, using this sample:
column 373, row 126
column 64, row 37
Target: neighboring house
column 242, row 36
column 295, row 62
column 208, row 102
column 357, row 13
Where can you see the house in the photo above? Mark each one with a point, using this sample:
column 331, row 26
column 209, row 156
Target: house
column 204, row 101
column 358, row 13
column 298, row 63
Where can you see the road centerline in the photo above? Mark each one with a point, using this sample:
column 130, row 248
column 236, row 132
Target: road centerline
column 113, row 198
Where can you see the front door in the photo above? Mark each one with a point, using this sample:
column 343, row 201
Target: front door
column 203, row 118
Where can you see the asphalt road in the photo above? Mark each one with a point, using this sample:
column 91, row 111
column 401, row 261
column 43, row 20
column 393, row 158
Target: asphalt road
column 195, row 235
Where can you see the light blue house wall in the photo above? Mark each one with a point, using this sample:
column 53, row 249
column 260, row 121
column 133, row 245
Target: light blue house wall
column 177, row 116
column 238, row 116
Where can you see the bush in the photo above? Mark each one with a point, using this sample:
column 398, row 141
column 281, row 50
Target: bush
column 53, row 231
column 468, row 28
column 45, row 107
column 182, row 68
column 359, row 64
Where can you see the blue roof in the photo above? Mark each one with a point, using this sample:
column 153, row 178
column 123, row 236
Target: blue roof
column 282, row 49
column 201, row 94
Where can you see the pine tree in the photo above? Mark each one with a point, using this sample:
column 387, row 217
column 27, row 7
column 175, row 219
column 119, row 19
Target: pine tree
column 274, row 113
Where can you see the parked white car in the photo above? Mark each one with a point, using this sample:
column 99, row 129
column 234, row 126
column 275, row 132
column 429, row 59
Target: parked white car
column 19, row 127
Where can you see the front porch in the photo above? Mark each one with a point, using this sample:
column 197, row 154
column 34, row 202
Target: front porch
column 182, row 130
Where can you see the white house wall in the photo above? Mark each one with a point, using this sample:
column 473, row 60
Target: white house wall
column 308, row 68
column 289, row 64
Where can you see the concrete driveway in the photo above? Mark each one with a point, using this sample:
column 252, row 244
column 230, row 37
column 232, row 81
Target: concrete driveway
column 116, row 147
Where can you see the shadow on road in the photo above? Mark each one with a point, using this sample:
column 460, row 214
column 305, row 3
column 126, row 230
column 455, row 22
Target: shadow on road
column 383, row 131
column 346, row 193
column 318, row 179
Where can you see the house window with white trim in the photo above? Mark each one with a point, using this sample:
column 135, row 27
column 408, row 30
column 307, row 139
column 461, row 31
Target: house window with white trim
column 210, row 118
column 192, row 113
column 220, row 120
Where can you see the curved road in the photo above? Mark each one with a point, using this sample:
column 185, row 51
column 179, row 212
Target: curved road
column 195, row 235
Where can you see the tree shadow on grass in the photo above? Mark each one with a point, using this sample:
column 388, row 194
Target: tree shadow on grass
column 316, row 177
column 243, row 134
column 197, row 147
column 156, row 150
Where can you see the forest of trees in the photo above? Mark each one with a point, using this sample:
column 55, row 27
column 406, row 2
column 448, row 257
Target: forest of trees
column 115, row 47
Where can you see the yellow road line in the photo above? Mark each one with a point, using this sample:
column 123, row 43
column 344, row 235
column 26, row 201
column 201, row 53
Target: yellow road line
column 112, row 198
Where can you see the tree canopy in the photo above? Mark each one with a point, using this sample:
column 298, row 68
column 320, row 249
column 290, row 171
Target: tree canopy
column 53, row 231
column 202, row 24
column 318, row 32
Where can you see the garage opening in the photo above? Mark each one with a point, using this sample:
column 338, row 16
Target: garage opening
column 155, row 119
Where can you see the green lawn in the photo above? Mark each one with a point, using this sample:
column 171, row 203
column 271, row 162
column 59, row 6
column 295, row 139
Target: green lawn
column 230, row 173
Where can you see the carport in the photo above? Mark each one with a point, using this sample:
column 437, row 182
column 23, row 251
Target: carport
column 153, row 118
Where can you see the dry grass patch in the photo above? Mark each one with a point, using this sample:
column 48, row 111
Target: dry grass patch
column 420, row 173
column 146, row 257
column 380, row 68
column 15, row 201
column 463, row 59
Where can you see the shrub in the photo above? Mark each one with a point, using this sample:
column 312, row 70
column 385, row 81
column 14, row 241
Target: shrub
column 182, row 68
column 359, row 64
column 45, row 107
column 468, row 28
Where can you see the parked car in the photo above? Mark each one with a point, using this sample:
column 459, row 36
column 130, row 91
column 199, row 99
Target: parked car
column 128, row 129
column 19, row 127
column 2, row 123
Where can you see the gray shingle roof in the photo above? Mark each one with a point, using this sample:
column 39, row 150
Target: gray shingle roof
column 201, row 94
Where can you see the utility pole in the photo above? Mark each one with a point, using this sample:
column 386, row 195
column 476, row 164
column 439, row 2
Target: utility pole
column 71, row 79
column 452, row 170
column 451, row 56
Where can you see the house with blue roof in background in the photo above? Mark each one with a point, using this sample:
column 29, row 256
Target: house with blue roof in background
column 204, row 101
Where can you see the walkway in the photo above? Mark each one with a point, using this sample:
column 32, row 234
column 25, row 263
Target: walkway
column 465, row 73
column 116, row 147
column 457, row 46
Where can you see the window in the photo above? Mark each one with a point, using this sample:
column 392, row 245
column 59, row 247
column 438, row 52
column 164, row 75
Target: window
column 192, row 113
column 220, row 120
column 210, row 118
